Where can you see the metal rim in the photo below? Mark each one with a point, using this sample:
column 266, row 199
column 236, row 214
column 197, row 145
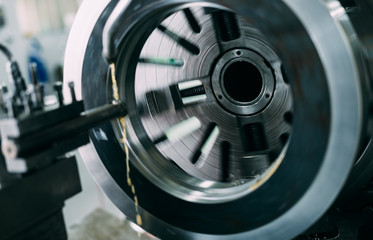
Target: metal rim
column 342, row 123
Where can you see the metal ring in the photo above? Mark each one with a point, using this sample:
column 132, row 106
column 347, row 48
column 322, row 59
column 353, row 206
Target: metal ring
column 330, row 125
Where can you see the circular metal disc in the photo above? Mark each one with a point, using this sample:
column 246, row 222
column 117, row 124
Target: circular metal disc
column 327, row 115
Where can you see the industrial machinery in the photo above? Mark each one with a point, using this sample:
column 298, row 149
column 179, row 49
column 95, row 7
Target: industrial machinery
column 246, row 119
column 243, row 119
column 35, row 175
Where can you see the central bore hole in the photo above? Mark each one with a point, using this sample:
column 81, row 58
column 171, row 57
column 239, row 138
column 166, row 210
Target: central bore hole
column 242, row 81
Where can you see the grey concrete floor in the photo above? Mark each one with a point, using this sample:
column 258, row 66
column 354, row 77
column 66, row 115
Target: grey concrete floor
column 101, row 225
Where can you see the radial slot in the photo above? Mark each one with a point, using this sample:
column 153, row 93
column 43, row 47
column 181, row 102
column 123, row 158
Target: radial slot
column 180, row 130
column 187, row 45
column 255, row 164
column 253, row 138
column 226, row 25
column 156, row 101
column 284, row 74
column 205, row 146
column 209, row 10
column 225, row 151
column 187, row 93
column 163, row 61
column 288, row 117
column 193, row 23
column 284, row 138
column 176, row 165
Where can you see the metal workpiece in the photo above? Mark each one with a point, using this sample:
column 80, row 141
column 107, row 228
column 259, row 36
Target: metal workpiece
column 245, row 118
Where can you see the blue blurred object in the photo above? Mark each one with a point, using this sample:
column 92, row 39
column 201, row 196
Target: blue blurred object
column 35, row 56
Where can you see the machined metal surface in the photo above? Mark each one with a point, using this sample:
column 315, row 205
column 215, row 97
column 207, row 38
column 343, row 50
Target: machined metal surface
column 217, row 73
column 248, row 110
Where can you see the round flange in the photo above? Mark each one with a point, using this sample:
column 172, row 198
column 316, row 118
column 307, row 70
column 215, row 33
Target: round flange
column 242, row 82
column 327, row 114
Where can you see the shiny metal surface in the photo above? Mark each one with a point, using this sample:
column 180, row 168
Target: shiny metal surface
column 80, row 33
column 266, row 109
column 320, row 102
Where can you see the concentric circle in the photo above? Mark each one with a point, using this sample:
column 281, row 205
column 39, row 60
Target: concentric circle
column 180, row 199
column 243, row 83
